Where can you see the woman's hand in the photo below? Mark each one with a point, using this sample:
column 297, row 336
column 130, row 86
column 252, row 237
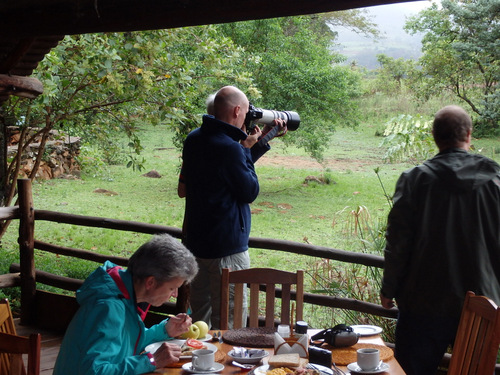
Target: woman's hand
column 178, row 324
column 167, row 354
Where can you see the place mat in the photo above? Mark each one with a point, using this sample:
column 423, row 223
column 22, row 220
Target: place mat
column 259, row 337
column 179, row 363
column 344, row 356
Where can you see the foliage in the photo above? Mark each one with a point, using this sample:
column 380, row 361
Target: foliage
column 392, row 73
column 99, row 86
column 357, row 20
column 409, row 138
column 353, row 280
column 461, row 50
column 296, row 70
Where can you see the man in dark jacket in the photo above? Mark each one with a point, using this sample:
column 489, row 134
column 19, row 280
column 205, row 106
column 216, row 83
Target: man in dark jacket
column 219, row 182
column 443, row 239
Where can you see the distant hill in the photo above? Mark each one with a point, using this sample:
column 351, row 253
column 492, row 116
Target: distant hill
column 395, row 43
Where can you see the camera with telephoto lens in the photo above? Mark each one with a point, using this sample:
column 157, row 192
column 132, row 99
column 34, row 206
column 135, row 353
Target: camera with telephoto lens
column 339, row 336
column 266, row 116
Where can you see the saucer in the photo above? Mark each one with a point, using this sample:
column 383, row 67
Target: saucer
column 355, row 368
column 218, row 367
column 366, row 330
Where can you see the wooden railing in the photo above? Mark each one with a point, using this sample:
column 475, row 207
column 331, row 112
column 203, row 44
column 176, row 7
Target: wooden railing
column 33, row 301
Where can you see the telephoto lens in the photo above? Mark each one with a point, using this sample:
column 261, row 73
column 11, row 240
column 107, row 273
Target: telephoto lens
column 267, row 116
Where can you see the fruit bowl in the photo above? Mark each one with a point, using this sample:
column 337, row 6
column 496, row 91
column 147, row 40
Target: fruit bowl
column 254, row 355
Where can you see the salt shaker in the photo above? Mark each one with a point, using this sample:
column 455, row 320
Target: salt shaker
column 284, row 330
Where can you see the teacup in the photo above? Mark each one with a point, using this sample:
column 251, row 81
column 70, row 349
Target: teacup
column 368, row 358
column 203, row 359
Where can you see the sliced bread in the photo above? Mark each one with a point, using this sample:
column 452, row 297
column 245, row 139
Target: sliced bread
column 285, row 360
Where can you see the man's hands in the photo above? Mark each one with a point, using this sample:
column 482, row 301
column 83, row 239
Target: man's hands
column 252, row 138
column 388, row 303
column 281, row 124
column 178, row 324
column 256, row 133
column 167, row 354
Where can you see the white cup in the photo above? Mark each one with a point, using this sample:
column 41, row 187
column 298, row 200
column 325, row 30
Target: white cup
column 368, row 358
column 203, row 359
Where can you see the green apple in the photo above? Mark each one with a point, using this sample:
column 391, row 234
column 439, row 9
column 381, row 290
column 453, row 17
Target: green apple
column 203, row 328
column 192, row 333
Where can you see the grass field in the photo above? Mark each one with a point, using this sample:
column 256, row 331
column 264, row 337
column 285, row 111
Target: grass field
column 291, row 206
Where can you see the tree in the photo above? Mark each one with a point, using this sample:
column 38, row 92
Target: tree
column 462, row 54
column 99, row 85
column 297, row 70
column 393, row 72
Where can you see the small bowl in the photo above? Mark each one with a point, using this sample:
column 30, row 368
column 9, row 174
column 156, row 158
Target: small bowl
column 252, row 359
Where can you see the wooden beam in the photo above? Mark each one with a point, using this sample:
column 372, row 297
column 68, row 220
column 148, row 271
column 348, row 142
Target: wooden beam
column 27, row 18
column 26, row 87
column 9, row 213
column 10, row 280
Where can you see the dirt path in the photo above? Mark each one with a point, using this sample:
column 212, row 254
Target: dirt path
column 300, row 162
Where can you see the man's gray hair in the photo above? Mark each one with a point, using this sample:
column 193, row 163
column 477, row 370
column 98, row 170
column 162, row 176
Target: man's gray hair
column 165, row 258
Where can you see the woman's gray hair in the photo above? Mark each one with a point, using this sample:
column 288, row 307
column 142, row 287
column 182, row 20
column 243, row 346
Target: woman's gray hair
column 165, row 258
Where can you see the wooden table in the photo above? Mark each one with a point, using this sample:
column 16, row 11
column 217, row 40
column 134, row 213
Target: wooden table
column 395, row 368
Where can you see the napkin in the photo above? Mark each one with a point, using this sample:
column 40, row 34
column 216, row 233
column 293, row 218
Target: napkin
column 282, row 346
column 247, row 353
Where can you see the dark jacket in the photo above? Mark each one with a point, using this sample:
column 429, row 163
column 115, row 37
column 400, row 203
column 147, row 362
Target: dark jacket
column 220, row 183
column 443, row 234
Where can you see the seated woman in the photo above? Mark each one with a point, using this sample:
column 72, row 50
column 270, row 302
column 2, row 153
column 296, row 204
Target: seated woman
column 107, row 334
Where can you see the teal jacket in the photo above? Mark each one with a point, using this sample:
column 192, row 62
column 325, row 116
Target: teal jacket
column 107, row 334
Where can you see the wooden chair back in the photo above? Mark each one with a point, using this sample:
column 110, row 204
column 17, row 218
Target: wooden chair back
column 15, row 346
column 6, row 319
column 255, row 277
column 478, row 337
column 6, row 326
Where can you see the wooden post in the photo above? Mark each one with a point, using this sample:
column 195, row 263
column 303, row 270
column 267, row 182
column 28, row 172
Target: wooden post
column 182, row 303
column 3, row 158
column 26, row 251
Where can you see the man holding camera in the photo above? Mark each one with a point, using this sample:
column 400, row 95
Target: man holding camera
column 219, row 182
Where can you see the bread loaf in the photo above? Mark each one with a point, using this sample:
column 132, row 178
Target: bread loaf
column 285, row 360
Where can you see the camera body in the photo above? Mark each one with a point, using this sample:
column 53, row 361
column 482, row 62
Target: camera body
column 266, row 116
column 339, row 336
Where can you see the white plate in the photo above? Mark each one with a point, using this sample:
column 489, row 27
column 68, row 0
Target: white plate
column 262, row 370
column 367, row 330
column 322, row 369
column 154, row 346
column 355, row 368
column 207, row 337
column 218, row 367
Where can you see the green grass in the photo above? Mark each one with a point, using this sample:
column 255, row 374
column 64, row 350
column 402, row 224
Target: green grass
column 287, row 207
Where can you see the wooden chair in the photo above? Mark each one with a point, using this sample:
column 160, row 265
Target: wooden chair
column 12, row 346
column 478, row 337
column 6, row 326
column 15, row 346
column 256, row 277
column 6, row 319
